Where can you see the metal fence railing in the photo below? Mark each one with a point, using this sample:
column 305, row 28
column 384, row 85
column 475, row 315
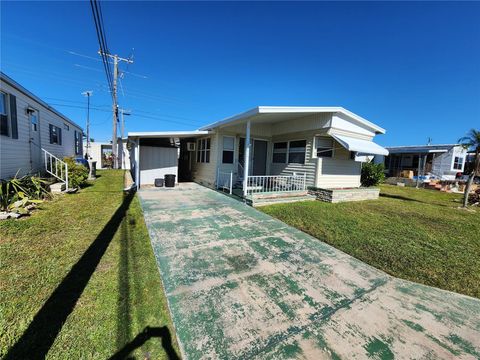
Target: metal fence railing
column 275, row 183
column 225, row 181
column 56, row 167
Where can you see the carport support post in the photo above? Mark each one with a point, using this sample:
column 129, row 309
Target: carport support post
column 137, row 163
column 246, row 159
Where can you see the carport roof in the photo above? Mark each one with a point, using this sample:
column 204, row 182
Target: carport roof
column 166, row 134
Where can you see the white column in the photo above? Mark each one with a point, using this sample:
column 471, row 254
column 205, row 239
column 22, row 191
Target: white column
column 137, row 164
column 246, row 159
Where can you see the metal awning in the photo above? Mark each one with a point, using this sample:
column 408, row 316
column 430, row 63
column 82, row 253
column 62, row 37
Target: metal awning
column 361, row 146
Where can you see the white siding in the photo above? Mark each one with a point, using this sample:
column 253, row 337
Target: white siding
column 443, row 163
column 156, row 162
column 15, row 153
column 337, row 173
column 316, row 122
column 344, row 123
column 205, row 173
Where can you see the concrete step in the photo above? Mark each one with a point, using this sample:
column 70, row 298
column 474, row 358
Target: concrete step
column 280, row 195
column 280, row 200
column 57, row 188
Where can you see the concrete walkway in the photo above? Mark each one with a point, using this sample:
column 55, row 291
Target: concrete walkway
column 241, row 284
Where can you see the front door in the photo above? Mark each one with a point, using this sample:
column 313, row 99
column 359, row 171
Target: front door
column 259, row 157
column 35, row 146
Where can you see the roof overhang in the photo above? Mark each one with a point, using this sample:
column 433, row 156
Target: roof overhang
column 261, row 114
column 361, row 146
column 167, row 134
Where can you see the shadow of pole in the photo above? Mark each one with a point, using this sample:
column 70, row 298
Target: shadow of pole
column 148, row 333
column 47, row 323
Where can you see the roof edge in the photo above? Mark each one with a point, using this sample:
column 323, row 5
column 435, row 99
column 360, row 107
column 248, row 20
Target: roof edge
column 25, row 91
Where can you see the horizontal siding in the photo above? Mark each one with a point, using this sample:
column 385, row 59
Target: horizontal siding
column 205, row 173
column 16, row 154
column 337, row 173
column 316, row 122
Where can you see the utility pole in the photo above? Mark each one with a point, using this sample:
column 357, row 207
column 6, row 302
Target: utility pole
column 122, row 131
column 116, row 59
column 88, row 94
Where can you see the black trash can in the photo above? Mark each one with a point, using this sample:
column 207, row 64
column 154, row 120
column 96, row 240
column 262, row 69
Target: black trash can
column 158, row 182
column 170, row 180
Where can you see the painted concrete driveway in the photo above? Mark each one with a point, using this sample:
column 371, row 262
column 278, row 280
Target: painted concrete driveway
column 242, row 285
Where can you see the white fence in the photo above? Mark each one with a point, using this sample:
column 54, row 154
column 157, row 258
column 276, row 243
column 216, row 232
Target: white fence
column 225, row 181
column 56, row 167
column 276, row 183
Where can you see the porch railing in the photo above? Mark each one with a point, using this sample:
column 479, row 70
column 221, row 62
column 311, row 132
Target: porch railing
column 225, row 181
column 276, row 183
column 56, row 167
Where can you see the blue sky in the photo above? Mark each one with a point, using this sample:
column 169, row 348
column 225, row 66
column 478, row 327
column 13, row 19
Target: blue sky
column 412, row 68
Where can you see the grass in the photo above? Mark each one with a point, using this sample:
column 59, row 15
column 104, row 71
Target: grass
column 79, row 280
column 414, row 234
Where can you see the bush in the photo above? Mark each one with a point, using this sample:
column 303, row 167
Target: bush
column 372, row 174
column 17, row 193
column 77, row 173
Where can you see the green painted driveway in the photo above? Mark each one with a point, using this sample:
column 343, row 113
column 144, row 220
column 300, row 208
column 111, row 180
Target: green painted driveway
column 242, row 285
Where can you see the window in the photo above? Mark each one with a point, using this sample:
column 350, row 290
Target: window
column 66, row 127
column 77, row 143
column 34, row 120
column 324, row 146
column 280, row 152
column 296, row 151
column 457, row 163
column 55, row 134
column 203, row 150
column 228, row 149
column 3, row 114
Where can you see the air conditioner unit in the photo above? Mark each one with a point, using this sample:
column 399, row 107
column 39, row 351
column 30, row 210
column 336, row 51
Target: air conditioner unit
column 190, row 146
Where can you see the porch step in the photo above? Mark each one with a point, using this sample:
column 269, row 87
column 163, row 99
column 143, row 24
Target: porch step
column 279, row 199
column 57, row 188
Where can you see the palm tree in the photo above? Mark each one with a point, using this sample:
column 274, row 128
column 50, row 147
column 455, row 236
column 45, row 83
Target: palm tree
column 471, row 141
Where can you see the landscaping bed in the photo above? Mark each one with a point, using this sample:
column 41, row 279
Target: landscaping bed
column 79, row 279
column 415, row 234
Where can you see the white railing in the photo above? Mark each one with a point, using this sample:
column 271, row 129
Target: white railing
column 276, row 183
column 225, row 181
column 56, row 167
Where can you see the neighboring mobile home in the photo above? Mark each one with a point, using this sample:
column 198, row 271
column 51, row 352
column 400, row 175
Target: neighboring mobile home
column 441, row 161
column 263, row 149
column 30, row 129
column 102, row 151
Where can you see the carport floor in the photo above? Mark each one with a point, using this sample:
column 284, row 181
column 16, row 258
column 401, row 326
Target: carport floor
column 242, row 285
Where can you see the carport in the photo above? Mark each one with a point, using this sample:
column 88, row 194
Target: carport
column 155, row 154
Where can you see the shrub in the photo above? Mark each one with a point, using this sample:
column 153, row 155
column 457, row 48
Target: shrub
column 77, row 173
column 372, row 174
column 17, row 193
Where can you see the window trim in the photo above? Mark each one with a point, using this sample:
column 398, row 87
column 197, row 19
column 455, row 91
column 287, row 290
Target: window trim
column 7, row 114
column 228, row 150
column 284, row 151
column 315, row 147
column 305, row 152
column 461, row 163
column 202, row 152
column 58, row 133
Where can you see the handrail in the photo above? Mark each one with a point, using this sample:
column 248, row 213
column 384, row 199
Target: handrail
column 276, row 183
column 225, row 180
column 56, row 167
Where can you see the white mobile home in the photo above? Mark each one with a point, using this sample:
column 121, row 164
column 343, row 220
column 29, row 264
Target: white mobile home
column 29, row 129
column 102, row 151
column 442, row 161
column 266, row 148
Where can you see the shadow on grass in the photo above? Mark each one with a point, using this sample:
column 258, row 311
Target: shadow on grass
column 47, row 323
column 400, row 197
column 149, row 332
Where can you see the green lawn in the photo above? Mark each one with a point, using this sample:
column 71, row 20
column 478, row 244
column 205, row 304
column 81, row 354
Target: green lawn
column 79, row 280
column 415, row 234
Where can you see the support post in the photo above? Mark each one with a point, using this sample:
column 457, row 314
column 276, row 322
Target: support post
column 231, row 182
column 137, row 164
column 246, row 159
column 418, row 171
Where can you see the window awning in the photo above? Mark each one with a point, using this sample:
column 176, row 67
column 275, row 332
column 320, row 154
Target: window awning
column 361, row 146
